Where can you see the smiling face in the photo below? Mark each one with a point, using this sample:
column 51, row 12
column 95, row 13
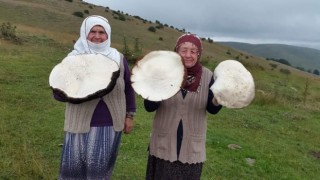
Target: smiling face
column 189, row 53
column 97, row 35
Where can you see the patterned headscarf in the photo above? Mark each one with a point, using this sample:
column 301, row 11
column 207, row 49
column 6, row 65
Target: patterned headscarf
column 84, row 46
column 194, row 39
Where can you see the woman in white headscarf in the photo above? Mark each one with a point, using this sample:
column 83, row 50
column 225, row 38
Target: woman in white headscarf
column 90, row 152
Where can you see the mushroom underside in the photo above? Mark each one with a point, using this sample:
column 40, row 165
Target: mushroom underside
column 158, row 75
column 84, row 77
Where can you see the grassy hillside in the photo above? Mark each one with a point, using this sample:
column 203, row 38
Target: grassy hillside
column 307, row 58
column 279, row 130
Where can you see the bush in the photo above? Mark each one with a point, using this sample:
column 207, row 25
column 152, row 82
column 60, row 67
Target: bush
column 285, row 71
column 78, row 14
column 132, row 55
column 160, row 26
column 273, row 66
column 152, row 29
column 69, row 0
column 122, row 17
column 8, row 31
column 210, row 40
column 300, row 68
column 86, row 11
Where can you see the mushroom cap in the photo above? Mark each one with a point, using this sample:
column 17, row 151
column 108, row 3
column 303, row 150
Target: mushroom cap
column 159, row 75
column 234, row 85
column 84, row 77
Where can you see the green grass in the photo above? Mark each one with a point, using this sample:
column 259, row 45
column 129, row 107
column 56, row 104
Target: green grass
column 279, row 130
column 279, row 133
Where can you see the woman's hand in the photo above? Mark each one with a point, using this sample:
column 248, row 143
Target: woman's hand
column 215, row 102
column 128, row 125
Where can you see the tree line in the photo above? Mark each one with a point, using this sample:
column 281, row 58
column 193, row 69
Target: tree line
column 286, row 62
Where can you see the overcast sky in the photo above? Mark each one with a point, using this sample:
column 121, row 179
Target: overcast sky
column 293, row 22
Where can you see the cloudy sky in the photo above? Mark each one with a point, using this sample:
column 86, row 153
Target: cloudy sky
column 293, row 22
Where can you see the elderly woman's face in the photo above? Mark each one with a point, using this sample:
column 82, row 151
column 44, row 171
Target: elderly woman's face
column 97, row 34
column 189, row 53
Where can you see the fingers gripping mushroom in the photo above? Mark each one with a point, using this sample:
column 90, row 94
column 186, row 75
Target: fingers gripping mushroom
column 234, row 85
column 84, row 77
column 158, row 75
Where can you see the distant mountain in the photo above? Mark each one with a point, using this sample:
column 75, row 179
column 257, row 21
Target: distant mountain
column 302, row 57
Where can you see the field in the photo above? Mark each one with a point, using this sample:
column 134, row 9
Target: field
column 279, row 131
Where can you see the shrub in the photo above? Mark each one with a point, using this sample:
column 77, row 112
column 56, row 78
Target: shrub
column 126, row 50
column 122, row 17
column 160, row 26
column 152, row 29
column 273, row 65
column 131, row 55
column 78, row 14
column 8, row 31
column 86, row 11
column 282, row 61
column 116, row 12
column 285, row 71
column 306, row 91
column 137, row 50
column 300, row 68
column 69, row 0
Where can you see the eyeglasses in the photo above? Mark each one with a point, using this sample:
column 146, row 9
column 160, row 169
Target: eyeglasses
column 193, row 52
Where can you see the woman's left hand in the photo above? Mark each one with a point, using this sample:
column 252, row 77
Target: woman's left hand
column 215, row 101
column 128, row 125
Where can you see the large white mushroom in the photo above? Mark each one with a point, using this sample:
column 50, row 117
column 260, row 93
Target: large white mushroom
column 234, row 85
column 84, row 77
column 158, row 75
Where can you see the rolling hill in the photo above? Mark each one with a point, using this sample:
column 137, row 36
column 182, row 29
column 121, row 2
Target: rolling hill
column 279, row 130
column 307, row 58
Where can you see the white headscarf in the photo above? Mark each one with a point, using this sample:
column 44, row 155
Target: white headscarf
column 84, row 46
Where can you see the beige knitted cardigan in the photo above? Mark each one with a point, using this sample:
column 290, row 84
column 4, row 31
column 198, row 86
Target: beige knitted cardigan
column 78, row 116
column 192, row 111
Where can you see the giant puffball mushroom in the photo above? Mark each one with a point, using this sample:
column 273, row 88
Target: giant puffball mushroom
column 234, row 85
column 84, row 77
column 159, row 75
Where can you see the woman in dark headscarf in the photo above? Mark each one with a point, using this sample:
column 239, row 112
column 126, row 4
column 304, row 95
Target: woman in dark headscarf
column 93, row 128
column 177, row 143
